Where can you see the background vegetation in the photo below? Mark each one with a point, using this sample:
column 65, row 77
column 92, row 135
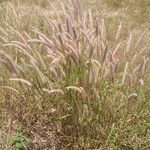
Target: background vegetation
column 75, row 75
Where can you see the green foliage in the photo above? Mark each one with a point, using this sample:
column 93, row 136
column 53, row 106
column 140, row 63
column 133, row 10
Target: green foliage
column 72, row 85
column 19, row 141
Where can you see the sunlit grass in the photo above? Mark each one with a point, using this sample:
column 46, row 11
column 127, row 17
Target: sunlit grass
column 75, row 76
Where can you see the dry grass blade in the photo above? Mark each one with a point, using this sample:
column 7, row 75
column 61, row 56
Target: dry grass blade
column 124, row 74
column 118, row 31
column 75, row 69
column 17, row 33
column 22, row 50
column 80, row 90
column 129, row 43
column 40, row 42
column 10, row 88
column 103, row 30
column 140, row 69
column 116, row 49
column 23, row 81
column 24, row 46
column 90, row 19
column 41, row 77
column 26, row 35
column 8, row 62
column 53, row 91
column 46, row 39
column 140, row 39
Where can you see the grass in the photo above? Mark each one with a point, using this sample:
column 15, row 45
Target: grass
column 75, row 76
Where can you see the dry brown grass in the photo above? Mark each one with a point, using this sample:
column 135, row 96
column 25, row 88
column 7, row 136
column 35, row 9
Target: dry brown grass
column 74, row 80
